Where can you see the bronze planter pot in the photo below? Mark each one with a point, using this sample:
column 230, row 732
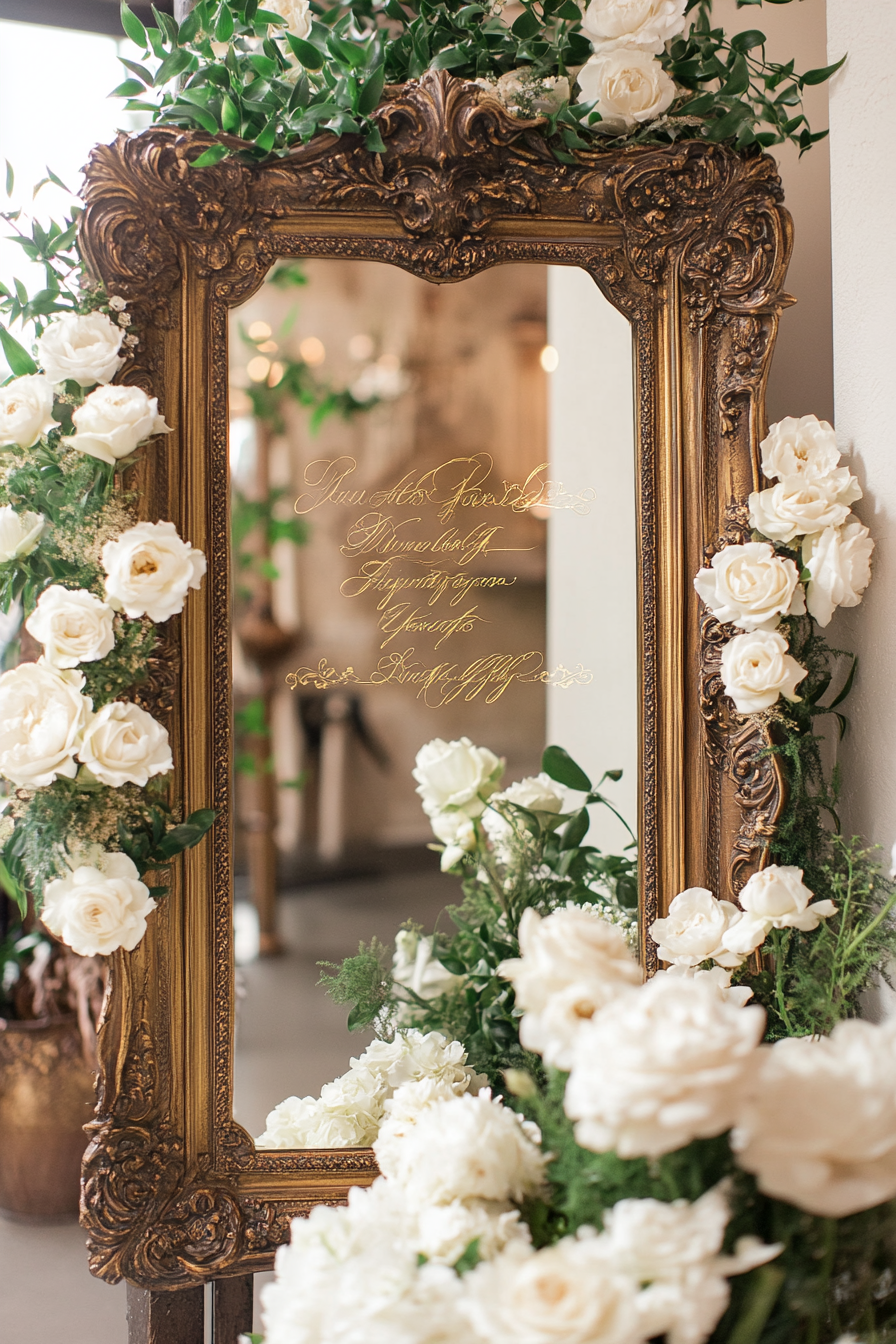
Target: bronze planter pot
column 46, row 1096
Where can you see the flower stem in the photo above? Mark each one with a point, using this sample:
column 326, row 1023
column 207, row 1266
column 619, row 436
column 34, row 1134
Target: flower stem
column 781, row 944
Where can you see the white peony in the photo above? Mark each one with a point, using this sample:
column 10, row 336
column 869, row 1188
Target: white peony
column 660, row 1067
column 717, row 976
column 26, row 410
column 572, row 964
column 757, row 669
column 457, row 833
column 73, row 625
column 414, row 1055
column 818, row 1126
column 794, row 509
column 81, row 348
column 97, row 910
column 751, row 587
column 466, row 1148
column 296, row 14
column 456, row 775
column 538, row 793
column 564, row 1294
column 649, row 24
column 125, row 745
column 20, row 533
column 628, row 87
column 307, row 1122
column 443, row 1232
column 804, row 449
column 415, row 968
column 113, row 421
column 839, row 564
column 693, row 930
column 775, row 898
column 42, row 719
column 149, row 570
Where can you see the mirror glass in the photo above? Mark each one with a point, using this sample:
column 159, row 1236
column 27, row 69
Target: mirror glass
column 433, row 537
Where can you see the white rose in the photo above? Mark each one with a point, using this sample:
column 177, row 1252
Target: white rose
column 296, row 14
column 82, row 348
column 19, row 532
column 793, row 509
column 572, row 964
column 775, row 898
column 694, row 928
column 627, row 87
column 564, row 1294
column 42, row 719
column 113, row 421
column 125, row 745
column 455, row 775
column 457, row 833
column 717, row 976
column 538, row 793
column 26, row 410
column 757, row 669
column 415, row 968
column 660, row 1067
column 648, row 24
column 97, row 910
column 751, row 587
column 470, row 1147
column 804, row 448
column 839, row 565
column 73, row 625
column 149, row 570
column 818, row 1126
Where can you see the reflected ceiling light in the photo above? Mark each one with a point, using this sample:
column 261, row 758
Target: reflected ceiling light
column 268, row 348
column 389, row 362
column 361, row 346
column 549, row 358
column 258, row 368
column 259, row 331
column 312, row 350
column 276, row 374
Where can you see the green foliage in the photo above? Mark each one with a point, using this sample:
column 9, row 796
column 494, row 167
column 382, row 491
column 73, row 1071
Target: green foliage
column 364, row 981
column 231, row 70
column 55, row 248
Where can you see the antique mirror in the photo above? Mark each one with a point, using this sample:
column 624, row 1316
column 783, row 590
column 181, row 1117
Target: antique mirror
column 455, row 426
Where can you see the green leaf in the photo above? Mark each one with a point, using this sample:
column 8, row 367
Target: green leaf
column 559, row 765
column 17, row 357
column 822, row 73
column 373, row 142
column 224, row 25
column 306, row 52
column 173, row 65
column 230, row 116
column 129, row 89
column 449, row 58
column 372, row 91
column 575, row 830
column 748, row 40
column 470, row 1258
column 13, row 888
column 527, row 25
column 209, row 157
column 133, row 27
column 10, row 178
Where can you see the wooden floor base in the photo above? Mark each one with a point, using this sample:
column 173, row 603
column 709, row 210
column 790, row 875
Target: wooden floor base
column 178, row 1316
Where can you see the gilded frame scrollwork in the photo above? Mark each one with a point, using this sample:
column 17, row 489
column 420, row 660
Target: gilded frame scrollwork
column 691, row 243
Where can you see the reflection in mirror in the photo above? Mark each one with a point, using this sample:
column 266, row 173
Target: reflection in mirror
column 433, row 538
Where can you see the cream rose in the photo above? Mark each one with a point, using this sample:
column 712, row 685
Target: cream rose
column 791, row 509
column 73, row 625
column 113, row 421
column 97, row 910
column 19, row 532
column 125, row 745
column 538, row 793
column 26, row 410
column 839, row 565
column 296, row 14
column 83, row 348
column 457, row 833
column 149, row 570
column 717, row 976
column 572, row 964
column 751, row 587
column 627, row 87
column 818, row 1125
column 648, row 24
column 456, row 775
column 775, row 898
column 42, row 719
column 804, row 449
column 757, row 669
column 694, row 928
column 660, row 1067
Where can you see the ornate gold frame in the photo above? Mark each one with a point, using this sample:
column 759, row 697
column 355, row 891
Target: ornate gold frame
column 691, row 243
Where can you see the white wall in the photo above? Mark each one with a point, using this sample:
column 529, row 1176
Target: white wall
column 863, row 191
column 592, row 594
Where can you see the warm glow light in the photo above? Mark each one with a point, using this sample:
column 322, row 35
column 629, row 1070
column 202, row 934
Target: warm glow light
column 259, row 331
column 268, row 347
column 258, row 368
column 361, row 346
column 549, row 358
column 277, row 372
column 389, row 362
column 312, row 350
column 239, row 402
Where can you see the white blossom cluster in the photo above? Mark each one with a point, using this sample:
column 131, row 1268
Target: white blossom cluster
column 752, row 587
column 48, row 727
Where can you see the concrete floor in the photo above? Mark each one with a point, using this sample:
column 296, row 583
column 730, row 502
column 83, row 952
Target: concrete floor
column 291, row 1039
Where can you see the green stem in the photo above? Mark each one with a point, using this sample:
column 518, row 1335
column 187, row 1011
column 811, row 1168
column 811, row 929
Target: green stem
column 813, row 1334
column 781, row 942
column 869, row 928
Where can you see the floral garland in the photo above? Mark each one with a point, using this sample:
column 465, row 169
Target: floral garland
column 88, row 812
column 260, row 80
